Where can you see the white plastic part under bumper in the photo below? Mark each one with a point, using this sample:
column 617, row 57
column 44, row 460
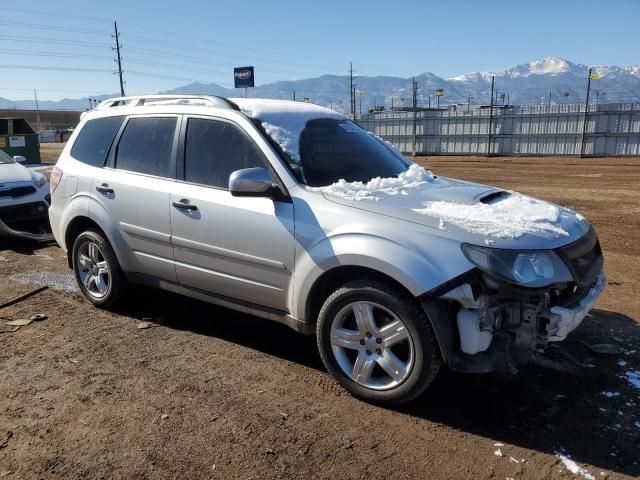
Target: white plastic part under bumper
column 567, row 319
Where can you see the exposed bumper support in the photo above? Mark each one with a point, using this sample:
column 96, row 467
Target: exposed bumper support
column 566, row 320
column 5, row 231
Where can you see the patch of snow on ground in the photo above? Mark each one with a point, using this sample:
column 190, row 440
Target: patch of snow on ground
column 511, row 217
column 634, row 377
column 573, row 467
column 57, row 281
column 611, row 394
column 284, row 120
column 378, row 187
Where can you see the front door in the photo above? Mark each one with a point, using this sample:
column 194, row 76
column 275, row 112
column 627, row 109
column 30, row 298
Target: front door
column 236, row 247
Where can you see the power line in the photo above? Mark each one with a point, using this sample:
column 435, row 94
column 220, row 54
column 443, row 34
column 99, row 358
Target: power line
column 213, row 42
column 64, row 69
column 28, row 39
column 48, row 90
column 40, row 26
column 40, row 53
column 176, row 67
column 54, row 14
column 191, row 48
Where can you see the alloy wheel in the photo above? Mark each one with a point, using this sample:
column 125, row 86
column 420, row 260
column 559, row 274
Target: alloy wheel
column 93, row 269
column 372, row 345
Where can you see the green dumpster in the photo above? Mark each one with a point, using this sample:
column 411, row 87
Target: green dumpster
column 17, row 137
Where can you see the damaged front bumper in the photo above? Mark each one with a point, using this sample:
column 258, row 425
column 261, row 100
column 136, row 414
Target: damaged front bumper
column 484, row 323
column 564, row 320
column 485, row 329
column 28, row 221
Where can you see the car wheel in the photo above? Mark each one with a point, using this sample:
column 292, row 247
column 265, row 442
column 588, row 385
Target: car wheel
column 97, row 270
column 377, row 342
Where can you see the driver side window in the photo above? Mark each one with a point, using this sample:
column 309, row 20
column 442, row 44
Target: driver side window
column 214, row 149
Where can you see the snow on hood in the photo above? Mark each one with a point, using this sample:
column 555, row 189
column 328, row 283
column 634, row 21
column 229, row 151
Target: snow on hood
column 509, row 217
column 377, row 188
column 284, row 120
column 477, row 212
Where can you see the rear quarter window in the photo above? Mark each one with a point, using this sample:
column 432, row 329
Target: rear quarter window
column 94, row 140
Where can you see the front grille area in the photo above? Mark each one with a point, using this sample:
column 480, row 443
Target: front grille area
column 17, row 191
column 584, row 258
column 25, row 212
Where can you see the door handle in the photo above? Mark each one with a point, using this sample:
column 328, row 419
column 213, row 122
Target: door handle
column 185, row 205
column 104, row 188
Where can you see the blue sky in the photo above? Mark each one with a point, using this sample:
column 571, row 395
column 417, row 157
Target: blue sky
column 202, row 40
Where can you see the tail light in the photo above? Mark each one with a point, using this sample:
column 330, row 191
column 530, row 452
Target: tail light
column 54, row 180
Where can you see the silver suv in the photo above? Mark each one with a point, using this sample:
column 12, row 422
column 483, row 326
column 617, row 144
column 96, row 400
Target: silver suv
column 291, row 212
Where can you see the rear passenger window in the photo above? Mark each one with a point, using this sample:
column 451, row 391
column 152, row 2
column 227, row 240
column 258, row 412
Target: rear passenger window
column 93, row 141
column 215, row 149
column 145, row 146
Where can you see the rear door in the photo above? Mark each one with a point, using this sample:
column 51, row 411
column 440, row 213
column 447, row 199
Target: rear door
column 134, row 190
column 236, row 247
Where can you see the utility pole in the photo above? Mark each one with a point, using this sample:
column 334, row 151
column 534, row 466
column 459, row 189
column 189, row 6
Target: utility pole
column 414, row 89
column 586, row 110
column 493, row 79
column 353, row 101
column 469, row 103
column 549, row 103
column 119, row 60
column 37, row 109
column 352, row 92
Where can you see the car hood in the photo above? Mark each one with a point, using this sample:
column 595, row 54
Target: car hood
column 470, row 212
column 14, row 172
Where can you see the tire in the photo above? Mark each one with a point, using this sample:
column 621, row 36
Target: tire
column 93, row 256
column 389, row 365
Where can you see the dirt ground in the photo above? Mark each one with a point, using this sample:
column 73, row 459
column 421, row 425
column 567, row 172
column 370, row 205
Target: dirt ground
column 49, row 152
column 210, row 393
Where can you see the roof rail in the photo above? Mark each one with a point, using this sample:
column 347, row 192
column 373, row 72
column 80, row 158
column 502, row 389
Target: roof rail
column 141, row 100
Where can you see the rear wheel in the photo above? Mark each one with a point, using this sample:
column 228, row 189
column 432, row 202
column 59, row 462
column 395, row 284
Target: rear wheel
column 377, row 342
column 97, row 270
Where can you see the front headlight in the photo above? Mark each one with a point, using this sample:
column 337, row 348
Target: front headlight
column 529, row 268
column 40, row 180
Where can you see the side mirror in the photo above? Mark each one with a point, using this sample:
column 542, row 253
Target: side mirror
column 20, row 158
column 251, row 182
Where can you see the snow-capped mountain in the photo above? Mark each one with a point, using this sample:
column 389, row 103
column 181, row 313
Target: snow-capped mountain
column 528, row 83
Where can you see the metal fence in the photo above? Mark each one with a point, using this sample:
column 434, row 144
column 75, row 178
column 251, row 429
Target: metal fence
column 606, row 130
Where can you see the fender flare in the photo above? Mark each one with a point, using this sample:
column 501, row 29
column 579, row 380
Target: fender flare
column 415, row 272
column 85, row 206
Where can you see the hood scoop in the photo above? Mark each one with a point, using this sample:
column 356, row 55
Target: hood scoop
column 492, row 197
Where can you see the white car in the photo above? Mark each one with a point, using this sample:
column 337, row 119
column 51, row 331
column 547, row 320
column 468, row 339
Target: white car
column 24, row 200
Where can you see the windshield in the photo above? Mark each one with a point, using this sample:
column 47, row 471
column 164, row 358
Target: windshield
column 331, row 150
column 4, row 158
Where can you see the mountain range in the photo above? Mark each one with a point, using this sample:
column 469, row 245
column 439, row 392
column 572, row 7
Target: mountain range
column 529, row 83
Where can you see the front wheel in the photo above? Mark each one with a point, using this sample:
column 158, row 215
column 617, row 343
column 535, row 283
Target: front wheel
column 377, row 342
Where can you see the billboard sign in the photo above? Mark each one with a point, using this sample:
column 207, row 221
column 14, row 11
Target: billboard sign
column 243, row 77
